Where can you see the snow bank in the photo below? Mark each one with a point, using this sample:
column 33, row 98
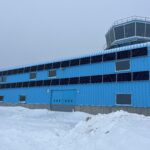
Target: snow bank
column 25, row 129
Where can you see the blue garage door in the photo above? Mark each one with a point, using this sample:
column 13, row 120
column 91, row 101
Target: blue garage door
column 63, row 100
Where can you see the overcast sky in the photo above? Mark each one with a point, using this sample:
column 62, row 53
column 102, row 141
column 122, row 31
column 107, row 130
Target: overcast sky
column 33, row 31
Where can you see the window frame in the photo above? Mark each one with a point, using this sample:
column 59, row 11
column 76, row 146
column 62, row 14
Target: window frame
column 124, row 77
column 106, row 78
column 141, row 76
column 35, row 75
column 123, row 55
column 109, row 57
column 122, row 61
column 123, row 104
column 22, row 101
column 54, row 75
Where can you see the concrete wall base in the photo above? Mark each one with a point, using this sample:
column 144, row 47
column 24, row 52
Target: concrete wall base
column 88, row 109
column 31, row 106
column 106, row 110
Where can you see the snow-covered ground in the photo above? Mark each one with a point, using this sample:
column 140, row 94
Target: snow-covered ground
column 26, row 129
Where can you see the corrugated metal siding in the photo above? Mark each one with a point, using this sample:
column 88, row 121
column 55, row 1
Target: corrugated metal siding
column 137, row 64
column 91, row 94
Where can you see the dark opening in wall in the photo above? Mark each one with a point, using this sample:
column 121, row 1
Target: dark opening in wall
column 109, row 78
column 8, row 85
column 139, row 52
column 55, row 82
column 96, row 79
column 48, row 66
column 123, row 54
column 25, row 84
column 13, row 85
column 26, row 69
column 33, row 68
column 21, row 70
column 32, row 84
column 110, row 56
column 85, row 79
column 5, row 72
column 47, row 82
column 124, row 77
column 40, row 67
column 74, row 80
column 95, row 59
column 39, row 83
column 64, row 81
column 85, row 60
column 56, row 65
column 19, row 84
column 144, row 75
column 74, row 62
column 65, row 64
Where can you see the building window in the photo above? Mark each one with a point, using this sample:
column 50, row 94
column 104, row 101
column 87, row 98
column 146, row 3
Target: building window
column 52, row 73
column 22, row 99
column 123, row 99
column 1, row 98
column 124, row 77
column 32, row 75
column 109, row 78
column 144, row 75
column 123, row 65
column 3, row 79
column 140, row 52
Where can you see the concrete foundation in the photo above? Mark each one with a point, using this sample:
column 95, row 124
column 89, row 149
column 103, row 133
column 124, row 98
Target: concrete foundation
column 88, row 109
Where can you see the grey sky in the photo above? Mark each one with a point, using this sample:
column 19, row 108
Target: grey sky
column 41, row 30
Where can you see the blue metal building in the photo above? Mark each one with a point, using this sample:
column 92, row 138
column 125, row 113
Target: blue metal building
column 112, row 79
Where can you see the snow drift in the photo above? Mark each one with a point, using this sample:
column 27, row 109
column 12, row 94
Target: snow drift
column 26, row 129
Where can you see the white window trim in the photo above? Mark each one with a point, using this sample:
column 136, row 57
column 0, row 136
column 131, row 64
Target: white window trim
column 35, row 77
column 126, row 70
column 52, row 76
column 123, row 104
column 22, row 102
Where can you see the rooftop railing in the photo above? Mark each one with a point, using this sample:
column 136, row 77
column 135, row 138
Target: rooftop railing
column 132, row 18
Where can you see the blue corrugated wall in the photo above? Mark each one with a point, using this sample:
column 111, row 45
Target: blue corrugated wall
column 91, row 94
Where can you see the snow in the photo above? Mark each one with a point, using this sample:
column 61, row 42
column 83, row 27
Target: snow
column 26, row 129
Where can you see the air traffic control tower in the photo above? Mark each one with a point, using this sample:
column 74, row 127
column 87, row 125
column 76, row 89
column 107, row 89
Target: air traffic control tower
column 128, row 31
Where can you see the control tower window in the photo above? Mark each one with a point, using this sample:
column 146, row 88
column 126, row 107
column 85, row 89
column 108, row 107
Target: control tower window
column 119, row 32
column 140, row 29
column 147, row 30
column 130, row 30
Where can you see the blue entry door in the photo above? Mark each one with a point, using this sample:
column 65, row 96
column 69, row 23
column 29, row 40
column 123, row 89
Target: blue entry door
column 63, row 100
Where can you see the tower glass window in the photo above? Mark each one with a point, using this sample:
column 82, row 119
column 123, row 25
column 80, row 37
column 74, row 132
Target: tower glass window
column 119, row 32
column 130, row 30
column 147, row 30
column 140, row 29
